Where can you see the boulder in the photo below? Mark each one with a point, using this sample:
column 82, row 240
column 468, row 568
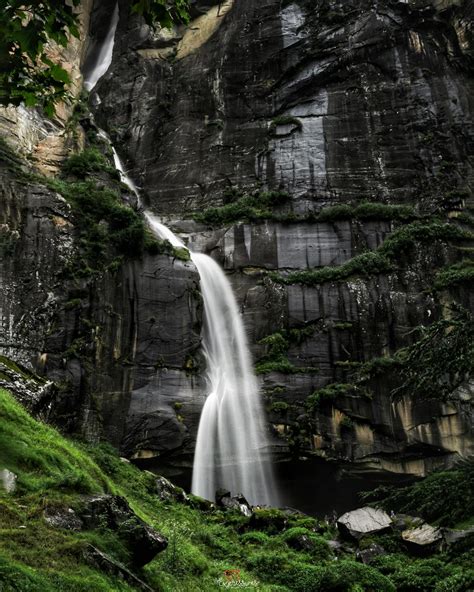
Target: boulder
column 143, row 540
column 423, row 539
column 8, row 480
column 270, row 520
column 458, row 539
column 368, row 554
column 301, row 542
column 106, row 564
column 238, row 502
column 168, row 492
column 364, row 521
column 114, row 513
column 405, row 522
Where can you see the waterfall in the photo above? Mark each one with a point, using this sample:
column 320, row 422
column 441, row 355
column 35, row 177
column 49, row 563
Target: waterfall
column 231, row 435
column 231, row 438
column 103, row 59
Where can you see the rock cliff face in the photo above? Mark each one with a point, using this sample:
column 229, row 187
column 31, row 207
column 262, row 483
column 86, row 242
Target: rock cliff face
column 334, row 103
column 327, row 104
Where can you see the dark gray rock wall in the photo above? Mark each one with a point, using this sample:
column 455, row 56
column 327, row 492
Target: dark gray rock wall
column 121, row 347
column 333, row 102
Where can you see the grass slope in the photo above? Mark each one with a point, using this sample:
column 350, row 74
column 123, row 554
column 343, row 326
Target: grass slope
column 53, row 472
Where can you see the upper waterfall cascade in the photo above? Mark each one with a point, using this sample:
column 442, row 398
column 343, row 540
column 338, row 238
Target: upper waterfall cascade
column 231, row 440
column 104, row 56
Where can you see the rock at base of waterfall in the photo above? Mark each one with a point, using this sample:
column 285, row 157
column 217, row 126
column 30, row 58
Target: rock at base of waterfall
column 8, row 480
column 224, row 499
column 423, row 539
column 363, row 521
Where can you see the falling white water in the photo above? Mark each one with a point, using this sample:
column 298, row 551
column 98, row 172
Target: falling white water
column 104, row 57
column 231, row 437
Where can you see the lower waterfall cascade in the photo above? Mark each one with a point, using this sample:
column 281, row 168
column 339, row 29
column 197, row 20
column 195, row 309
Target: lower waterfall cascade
column 231, row 439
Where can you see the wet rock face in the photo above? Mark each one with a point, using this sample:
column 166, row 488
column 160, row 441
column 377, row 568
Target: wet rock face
column 139, row 361
column 333, row 102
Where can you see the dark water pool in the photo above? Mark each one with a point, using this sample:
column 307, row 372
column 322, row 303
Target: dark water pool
column 315, row 486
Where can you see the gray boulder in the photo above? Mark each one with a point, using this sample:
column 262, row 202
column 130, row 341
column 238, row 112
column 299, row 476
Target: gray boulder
column 114, row 513
column 423, row 539
column 364, row 521
column 168, row 492
column 224, row 499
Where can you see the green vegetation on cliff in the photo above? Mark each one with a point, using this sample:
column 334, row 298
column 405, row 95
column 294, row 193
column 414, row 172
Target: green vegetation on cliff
column 252, row 207
column 382, row 260
column 445, row 497
column 277, row 346
column 259, row 206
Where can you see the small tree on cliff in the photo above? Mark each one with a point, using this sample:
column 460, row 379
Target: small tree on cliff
column 27, row 74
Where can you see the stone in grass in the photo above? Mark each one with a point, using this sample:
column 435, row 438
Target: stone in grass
column 364, row 521
column 8, row 481
column 368, row 554
column 64, row 518
column 237, row 502
column 100, row 560
column 423, row 539
column 168, row 492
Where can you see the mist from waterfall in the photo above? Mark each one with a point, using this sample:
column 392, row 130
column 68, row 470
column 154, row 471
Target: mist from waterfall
column 232, row 449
